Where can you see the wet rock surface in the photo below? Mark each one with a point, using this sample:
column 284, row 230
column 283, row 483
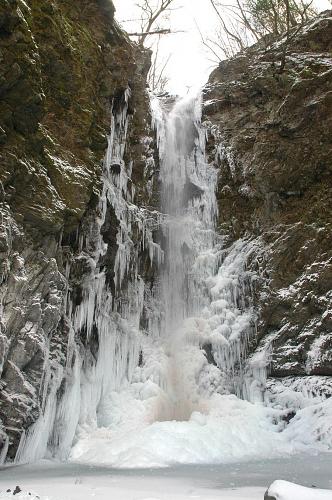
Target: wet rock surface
column 270, row 138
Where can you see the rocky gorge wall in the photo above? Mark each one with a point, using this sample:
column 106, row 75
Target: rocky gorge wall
column 270, row 138
column 66, row 70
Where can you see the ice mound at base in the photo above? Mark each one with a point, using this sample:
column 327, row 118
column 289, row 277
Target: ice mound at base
column 283, row 490
column 227, row 430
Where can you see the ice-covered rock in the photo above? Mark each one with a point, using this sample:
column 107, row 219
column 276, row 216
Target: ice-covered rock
column 269, row 136
column 53, row 140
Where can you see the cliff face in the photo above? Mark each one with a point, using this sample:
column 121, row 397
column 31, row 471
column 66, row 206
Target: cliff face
column 65, row 68
column 271, row 131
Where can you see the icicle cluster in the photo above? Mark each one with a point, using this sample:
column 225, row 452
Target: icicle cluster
column 77, row 394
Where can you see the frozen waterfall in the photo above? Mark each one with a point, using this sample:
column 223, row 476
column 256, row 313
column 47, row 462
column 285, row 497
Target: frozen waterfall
column 123, row 374
column 206, row 291
column 189, row 207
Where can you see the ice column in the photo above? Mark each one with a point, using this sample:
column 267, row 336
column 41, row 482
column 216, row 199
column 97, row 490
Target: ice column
column 205, row 287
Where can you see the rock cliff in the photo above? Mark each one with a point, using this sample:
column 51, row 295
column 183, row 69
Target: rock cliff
column 270, row 138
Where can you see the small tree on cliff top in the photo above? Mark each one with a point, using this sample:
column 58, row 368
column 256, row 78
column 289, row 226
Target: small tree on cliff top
column 278, row 16
column 242, row 22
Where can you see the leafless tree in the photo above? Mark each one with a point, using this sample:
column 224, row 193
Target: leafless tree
column 155, row 20
column 153, row 13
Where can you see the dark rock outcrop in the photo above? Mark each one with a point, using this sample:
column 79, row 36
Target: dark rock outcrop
column 271, row 139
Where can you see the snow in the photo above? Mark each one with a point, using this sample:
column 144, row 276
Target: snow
column 312, row 426
column 106, row 486
column 119, row 494
column 241, row 481
column 283, row 490
column 22, row 495
column 298, row 392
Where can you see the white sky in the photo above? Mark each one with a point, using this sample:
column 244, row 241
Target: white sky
column 190, row 63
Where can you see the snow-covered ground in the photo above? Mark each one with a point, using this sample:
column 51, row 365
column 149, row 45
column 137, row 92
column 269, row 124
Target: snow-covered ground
column 240, row 481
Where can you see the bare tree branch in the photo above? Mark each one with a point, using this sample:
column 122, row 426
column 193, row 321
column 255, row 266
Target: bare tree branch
column 157, row 78
column 165, row 31
column 205, row 42
column 150, row 14
column 229, row 33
